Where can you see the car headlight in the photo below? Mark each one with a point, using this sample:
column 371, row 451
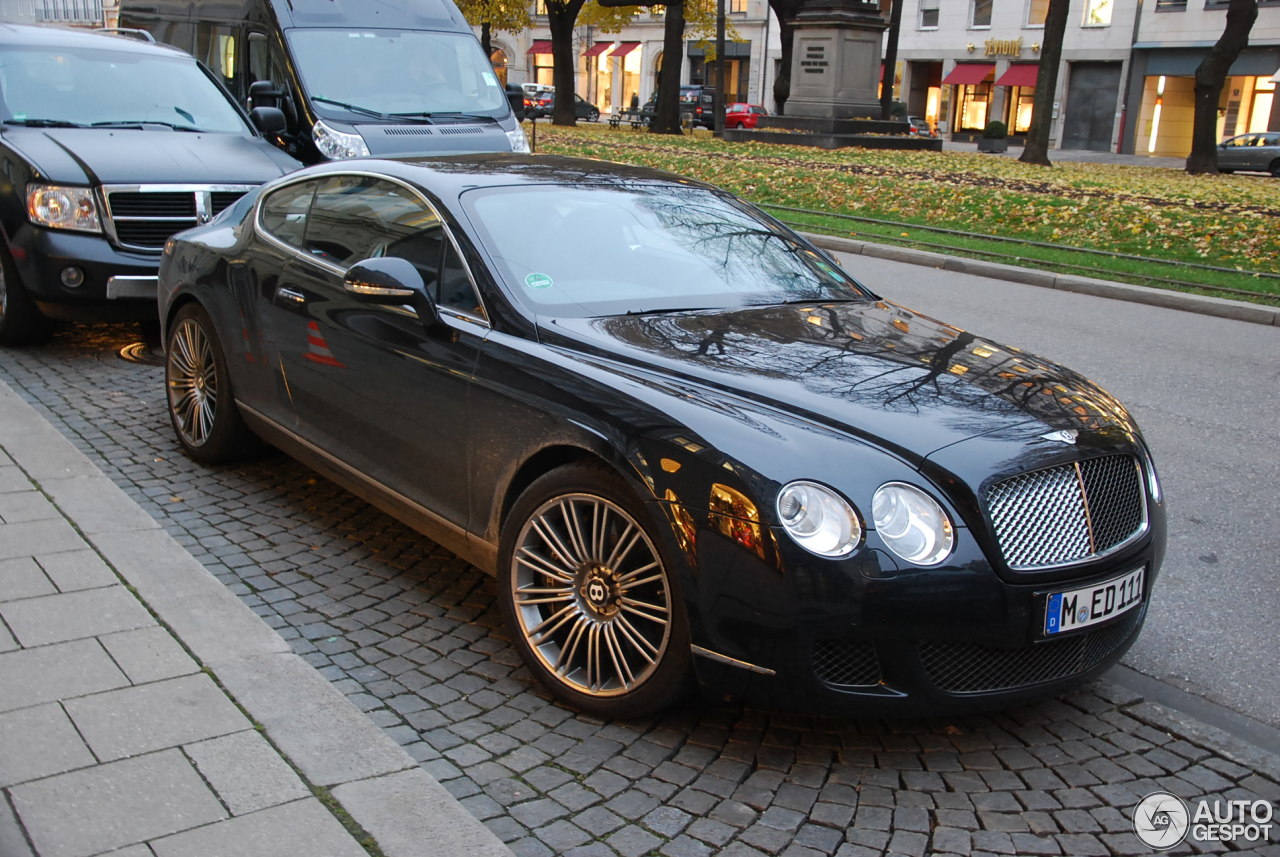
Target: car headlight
column 63, row 207
column 819, row 519
column 912, row 524
column 519, row 142
column 338, row 145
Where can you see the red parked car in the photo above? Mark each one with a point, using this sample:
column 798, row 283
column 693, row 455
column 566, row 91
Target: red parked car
column 743, row 115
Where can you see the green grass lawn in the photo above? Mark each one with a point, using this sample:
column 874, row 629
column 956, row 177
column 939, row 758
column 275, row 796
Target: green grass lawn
column 1180, row 226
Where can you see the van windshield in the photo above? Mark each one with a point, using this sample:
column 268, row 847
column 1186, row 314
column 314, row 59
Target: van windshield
column 409, row 72
column 104, row 87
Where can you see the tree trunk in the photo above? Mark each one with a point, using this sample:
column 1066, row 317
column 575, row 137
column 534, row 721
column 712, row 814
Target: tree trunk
column 486, row 41
column 666, row 119
column 890, row 61
column 1211, row 74
column 1035, row 149
column 561, row 18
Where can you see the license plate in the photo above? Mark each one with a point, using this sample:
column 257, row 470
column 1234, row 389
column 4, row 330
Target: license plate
column 1089, row 605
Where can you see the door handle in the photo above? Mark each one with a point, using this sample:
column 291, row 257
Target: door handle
column 290, row 297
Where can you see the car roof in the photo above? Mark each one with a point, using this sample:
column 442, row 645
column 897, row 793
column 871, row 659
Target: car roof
column 451, row 175
column 39, row 35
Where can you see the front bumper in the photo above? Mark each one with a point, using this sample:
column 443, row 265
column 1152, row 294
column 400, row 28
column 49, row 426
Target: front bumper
column 864, row 637
column 117, row 284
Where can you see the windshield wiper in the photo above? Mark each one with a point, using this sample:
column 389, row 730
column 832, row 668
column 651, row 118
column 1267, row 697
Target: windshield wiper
column 138, row 123
column 444, row 114
column 45, row 123
column 670, row 310
column 354, row 108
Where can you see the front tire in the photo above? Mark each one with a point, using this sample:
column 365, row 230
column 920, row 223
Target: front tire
column 201, row 405
column 21, row 322
column 589, row 596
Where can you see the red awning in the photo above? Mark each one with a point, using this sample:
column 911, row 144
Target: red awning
column 1020, row 74
column 540, row 46
column 967, row 73
column 597, row 49
column 623, row 49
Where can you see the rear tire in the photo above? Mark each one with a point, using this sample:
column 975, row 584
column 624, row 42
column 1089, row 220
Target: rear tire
column 1274, row 169
column 589, row 597
column 201, row 403
column 21, row 322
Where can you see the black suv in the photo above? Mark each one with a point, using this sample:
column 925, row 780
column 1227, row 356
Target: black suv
column 109, row 145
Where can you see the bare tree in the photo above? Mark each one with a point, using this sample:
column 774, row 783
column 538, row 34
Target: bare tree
column 1211, row 74
column 666, row 119
column 1035, row 150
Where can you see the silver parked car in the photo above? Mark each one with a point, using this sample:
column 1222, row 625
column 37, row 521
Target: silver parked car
column 1259, row 152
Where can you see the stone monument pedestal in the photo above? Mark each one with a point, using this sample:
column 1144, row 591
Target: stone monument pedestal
column 835, row 63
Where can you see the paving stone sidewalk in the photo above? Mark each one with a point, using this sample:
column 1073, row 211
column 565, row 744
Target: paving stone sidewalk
column 412, row 637
column 145, row 712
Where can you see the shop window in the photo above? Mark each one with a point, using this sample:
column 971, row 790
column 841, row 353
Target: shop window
column 1022, row 98
column 929, row 14
column 737, row 7
column 1036, row 12
column 981, row 13
column 1097, row 13
column 972, row 111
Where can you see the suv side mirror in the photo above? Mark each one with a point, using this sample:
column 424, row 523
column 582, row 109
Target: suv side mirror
column 268, row 120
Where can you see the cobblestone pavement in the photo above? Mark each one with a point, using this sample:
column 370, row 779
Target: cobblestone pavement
column 412, row 635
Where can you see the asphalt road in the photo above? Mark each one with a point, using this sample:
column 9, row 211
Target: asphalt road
column 1205, row 392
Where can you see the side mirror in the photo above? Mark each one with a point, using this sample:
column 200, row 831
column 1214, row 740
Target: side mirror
column 394, row 281
column 263, row 93
column 268, row 120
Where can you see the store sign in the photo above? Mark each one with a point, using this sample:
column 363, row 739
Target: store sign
column 1003, row 47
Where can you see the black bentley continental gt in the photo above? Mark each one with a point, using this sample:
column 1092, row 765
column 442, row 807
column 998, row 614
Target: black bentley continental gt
column 683, row 439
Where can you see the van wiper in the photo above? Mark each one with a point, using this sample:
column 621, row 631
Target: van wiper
column 139, row 123
column 45, row 123
column 354, row 108
column 445, row 114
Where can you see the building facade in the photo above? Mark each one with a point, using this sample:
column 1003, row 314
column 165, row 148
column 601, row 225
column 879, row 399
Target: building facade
column 616, row 71
column 1125, row 82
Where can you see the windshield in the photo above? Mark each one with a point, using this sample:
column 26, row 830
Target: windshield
column 594, row 251
column 390, row 72
column 106, row 87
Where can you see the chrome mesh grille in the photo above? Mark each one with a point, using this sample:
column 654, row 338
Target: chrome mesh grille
column 966, row 668
column 144, row 217
column 1070, row 513
column 846, row 663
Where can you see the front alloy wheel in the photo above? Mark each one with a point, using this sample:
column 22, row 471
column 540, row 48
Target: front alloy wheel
column 590, row 597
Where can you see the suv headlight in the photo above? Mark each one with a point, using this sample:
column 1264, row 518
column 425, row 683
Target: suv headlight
column 820, row 520
column 338, row 145
column 63, row 207
column 912, row 524
column 519, row 142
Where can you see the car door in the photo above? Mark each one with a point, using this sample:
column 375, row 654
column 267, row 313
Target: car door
column 372, row 386
column 1238, row 153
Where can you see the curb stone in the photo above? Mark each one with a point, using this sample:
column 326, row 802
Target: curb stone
column 1220, row 307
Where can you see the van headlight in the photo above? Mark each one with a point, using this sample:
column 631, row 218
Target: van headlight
column 912, row 524
column 338, row 145
column 59, row 207
column 519, row 142
column 820, row 520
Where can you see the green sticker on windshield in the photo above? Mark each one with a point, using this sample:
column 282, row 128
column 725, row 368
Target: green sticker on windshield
column 538, row 281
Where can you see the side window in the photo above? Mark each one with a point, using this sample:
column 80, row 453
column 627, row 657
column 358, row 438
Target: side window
column 216, row 47
column 284, row 213
column 455, row 286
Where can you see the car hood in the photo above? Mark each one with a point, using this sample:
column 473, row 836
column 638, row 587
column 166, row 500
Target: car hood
column 874, row 369
column 386, row 140
column 133, row 156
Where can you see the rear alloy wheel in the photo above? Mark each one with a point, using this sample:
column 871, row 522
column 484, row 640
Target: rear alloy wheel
column 201, row 407
column 21, row 322
column 590, row 598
